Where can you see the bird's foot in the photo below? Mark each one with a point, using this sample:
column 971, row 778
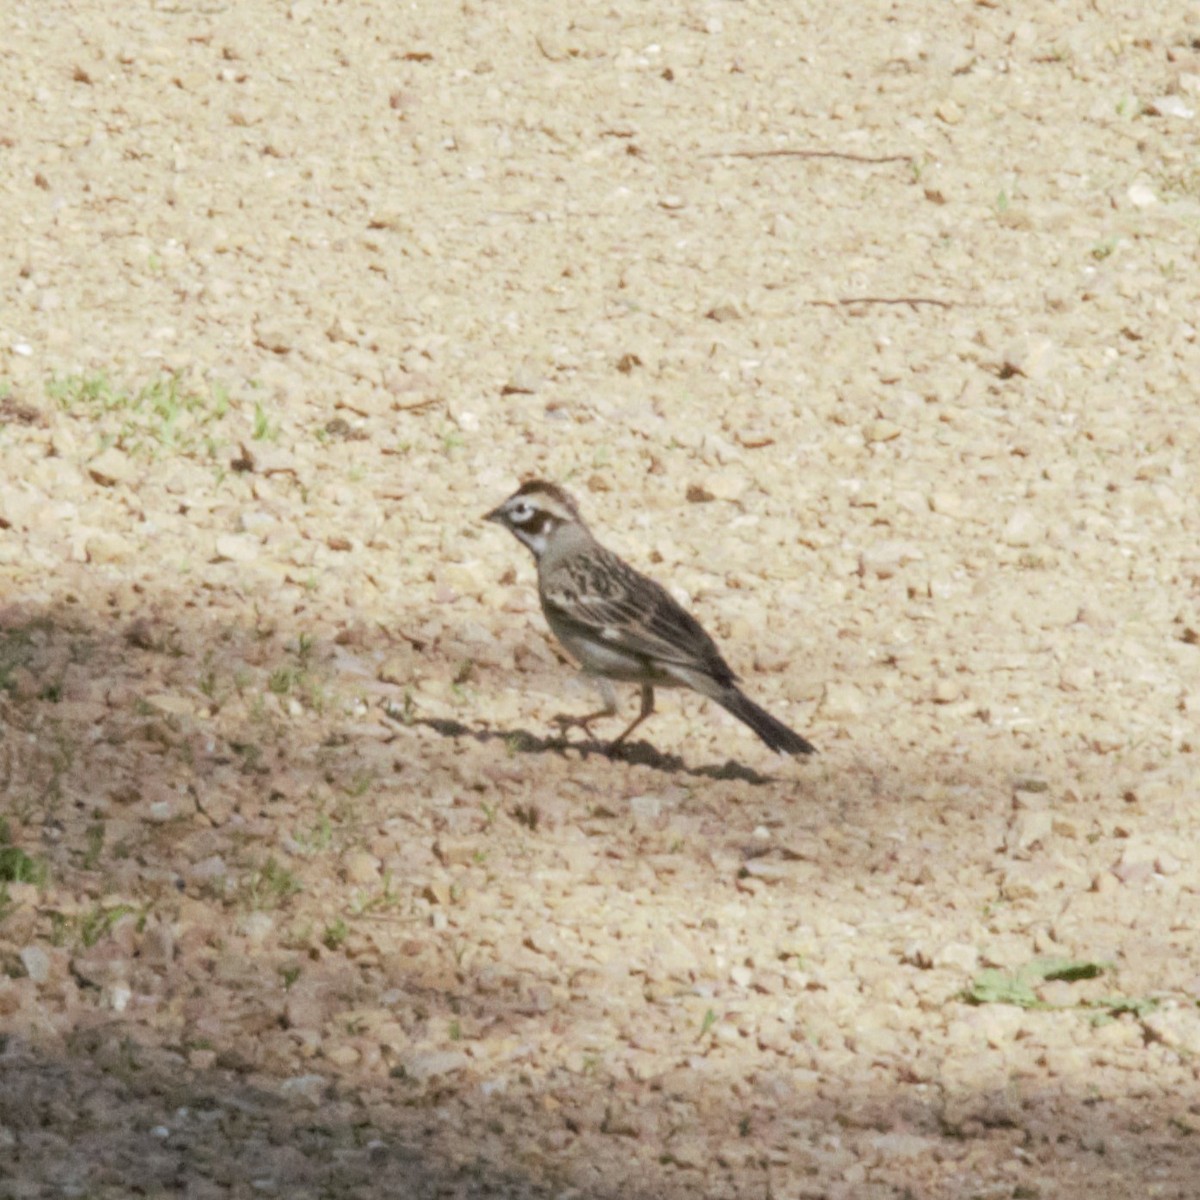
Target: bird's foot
column 566, row 722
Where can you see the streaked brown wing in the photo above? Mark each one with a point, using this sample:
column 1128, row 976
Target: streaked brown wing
column 606, row 598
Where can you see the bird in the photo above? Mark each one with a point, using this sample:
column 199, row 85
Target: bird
column 619, row 624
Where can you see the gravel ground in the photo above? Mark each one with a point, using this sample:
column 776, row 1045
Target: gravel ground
column 871, row 331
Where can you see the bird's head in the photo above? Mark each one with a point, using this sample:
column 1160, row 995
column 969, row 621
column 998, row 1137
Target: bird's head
column 534, row 511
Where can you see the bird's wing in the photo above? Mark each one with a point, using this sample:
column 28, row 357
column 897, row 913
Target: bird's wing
column 603, row 597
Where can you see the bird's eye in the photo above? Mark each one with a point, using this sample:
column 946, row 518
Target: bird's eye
column 521, row 511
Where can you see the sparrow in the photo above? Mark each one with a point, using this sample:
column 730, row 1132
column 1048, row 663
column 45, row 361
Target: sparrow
column 619, row 624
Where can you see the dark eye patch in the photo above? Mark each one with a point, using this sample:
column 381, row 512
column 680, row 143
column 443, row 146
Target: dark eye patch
column 534, row 521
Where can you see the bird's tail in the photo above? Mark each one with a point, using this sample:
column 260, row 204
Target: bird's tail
column 775, row 733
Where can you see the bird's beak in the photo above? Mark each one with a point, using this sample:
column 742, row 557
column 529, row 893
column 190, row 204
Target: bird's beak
column 497, row 515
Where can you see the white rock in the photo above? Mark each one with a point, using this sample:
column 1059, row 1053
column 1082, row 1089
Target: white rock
column 116, row 996
column 108, row 546
column 1141, row 195
column 111, row 467
column 957, row 955
column 237, row 547
column 1022, row 528
column 309, row 1088
column 256, row 927
column 1028, row 828
column 432, row 1063
column 884, row 559
column 1177, row 1028
column 842, row 700
column 36, row 962
column 1171, row 106
column 946, row 504
column 645, row 809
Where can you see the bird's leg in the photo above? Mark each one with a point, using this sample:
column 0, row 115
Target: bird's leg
column 607, row 694
column 647, row 709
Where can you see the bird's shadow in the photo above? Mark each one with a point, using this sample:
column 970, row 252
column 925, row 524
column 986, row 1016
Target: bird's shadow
column 640, row 754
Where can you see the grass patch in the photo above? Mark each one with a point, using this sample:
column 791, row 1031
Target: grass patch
column 335, row 934
column 269, row 885
column 18, row 867
column 17, row 649
column 1019, row 988
column 15, row 865
column 166, row 415
column 98, row 921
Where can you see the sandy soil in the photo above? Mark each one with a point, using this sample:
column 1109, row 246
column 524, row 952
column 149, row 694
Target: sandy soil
column 868, row 328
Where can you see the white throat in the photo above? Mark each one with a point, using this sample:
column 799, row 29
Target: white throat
column 535, row 541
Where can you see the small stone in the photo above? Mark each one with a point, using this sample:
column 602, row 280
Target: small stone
column 544, row 940
column 841, row 701
column 1076, row 677
column 36, row 962
column 431, row 1064
column 342, row 1055
column 524, row 381
column 946, row 691
column 307, row 1005
column 158, row 944
column 208, row 870
column 1022, row 529
column 645, row 809
column 689, row 1152
column 726, row 309
column 769, row 871
column 271, row 335
column 101, row 964
column 1166, row 863
column 116, row 996
column 256, row 927
column 884, row 559
column 257, row 522
column 1138, row 861
column 307, row 1088
column 957, row 955
column 727, row 485
column 903, row 1145
column 1028, row 829
column 1170, row 106
column 237, row 547
column 360, row 867
column 946, row 504
column 1031, row 358
column 456, row 852
column 1027, row 881
column 397, row 669
column 111, row 467
column 1141, row 195
column 106, row 546
column 881, row 431
column 1177, row 1028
